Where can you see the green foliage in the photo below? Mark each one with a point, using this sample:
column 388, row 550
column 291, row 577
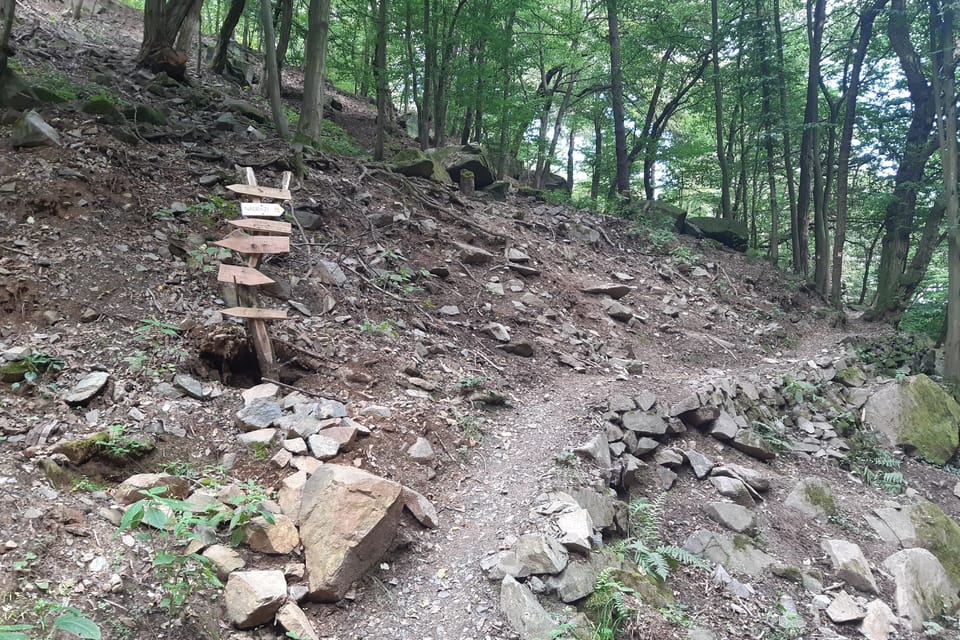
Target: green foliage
column 652, row 555
column 800, row 391
column 206, row 258
column 161, row 354
column 208, row 211
column 611, row 606
column 382, row 328
column 872, row 463
column 334, row 140
column 773, row 435
column 120, row 445
column 36, row 368
column 52, row 621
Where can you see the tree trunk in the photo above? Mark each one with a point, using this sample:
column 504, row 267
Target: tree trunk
column 816, row 12
column 380, row 71
column 766, row 119
column 899, row 214
column 271, row 74
column 162, row 20
column 283, row 39
column 505, row 68
column 571, row 142
column 311, row 115
column 944, row 74
column 597, row 156
column 785, row 135
column 846, row 139
column 429, row 57
column 725, row 210
column 616, row 98
column 189, row 28
column 7, row 8
column 230, row 22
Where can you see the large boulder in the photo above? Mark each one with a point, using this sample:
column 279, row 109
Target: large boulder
column 729, row 233
column 415, row 164
column 347, row 521
column 461, row 158
column 32, row 131
column 918, row 416
column 922, row 524
column 924, row 590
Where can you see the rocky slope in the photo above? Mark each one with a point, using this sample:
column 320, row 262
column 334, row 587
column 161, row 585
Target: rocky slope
column 515, row 398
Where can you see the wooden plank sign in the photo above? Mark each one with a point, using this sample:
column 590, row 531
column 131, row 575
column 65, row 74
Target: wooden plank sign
column 261, row 209
column 263, row 226
column 260, row 192
column 255, row 313
column 255, row 244
column 242, row 275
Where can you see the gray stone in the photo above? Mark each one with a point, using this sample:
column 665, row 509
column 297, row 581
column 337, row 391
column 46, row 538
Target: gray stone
column 470, row 254
column 322, row 447
column 644, row 445
column 643, row 423
column 621, row 403
column 895, row 525
column 577, row 581
column 645, row 400
column 264, row 390
column 844, row 609
column 754, row 479
column 665, row 477
column 596, row 450
column 258, row 437
column 128, row 491
column 522, row 349
column 295, row 446
column 602, row 507
column 576, row 529
column 88, row 388
column 850, row 565
column 924, row 592
column 617, row 310
column 724, row 428
column 497, row 331
column 291, row 494
column 299, row 424
column 524, row 613
column 327, row 409
column 700, row 463
column 259, row 414
column 190, row 386
column 879, row 623
column 751, row 443
column 251, row 598
column 32, row 131
column 813, row 497
column 225, row 560
column 338, row 550
column 535, row 555
column 737, row 556
column 615, row 291
column 735, row 517
column 734, row 489
column 668, row 457
column 421, row 451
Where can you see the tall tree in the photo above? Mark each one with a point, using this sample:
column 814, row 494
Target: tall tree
column 943, row 42
column 315, row 54
column 785, row 134
column 616, row 99
column 271, row 71
column 225, row 35
column 725, row 209
column 809, row 141
column 7, row 8
column 383, row 87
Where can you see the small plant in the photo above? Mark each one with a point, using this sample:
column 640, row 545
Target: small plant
column 471, row 383
column 35, row 368
column 64, row 618
column 873, row 464
column 683, row 255
column 612, row 604
column 652, row 555
column 798, row 390
column 87, row 485
column 382, row 328
column 205, row 259
column 119, row 445
column 774, row 436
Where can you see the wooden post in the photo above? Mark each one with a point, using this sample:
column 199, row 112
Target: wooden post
column 466, row 182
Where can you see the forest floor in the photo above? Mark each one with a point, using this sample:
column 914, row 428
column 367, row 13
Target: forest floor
column 104, row 266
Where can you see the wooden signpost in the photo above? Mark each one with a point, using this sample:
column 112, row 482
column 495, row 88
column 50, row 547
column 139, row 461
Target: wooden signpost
column 254, row 238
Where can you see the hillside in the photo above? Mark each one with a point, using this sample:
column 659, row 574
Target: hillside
column 515, row 345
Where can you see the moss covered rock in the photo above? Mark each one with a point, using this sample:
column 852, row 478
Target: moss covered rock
column 729, row 233
column 105, row 109
column 468, row 157
column 917, row 415
column 939, row 534
column 416, row 164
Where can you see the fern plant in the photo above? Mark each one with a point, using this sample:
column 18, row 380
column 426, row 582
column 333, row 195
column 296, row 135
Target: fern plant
column 875, row 465
column 612, row 604
column 651, row 553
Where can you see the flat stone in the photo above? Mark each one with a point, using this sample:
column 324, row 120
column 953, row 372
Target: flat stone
column 31, row 130
column 533, row 554
column 470, row 254
column 189, row 385
column 299, row 424
column 615, row 291
column 497, row 331
column 89, row 387
column 579, row 578
column 617, row 310
column 327, row 409
column 421, row 508
column 596, row 450
column 261, row 413
column 322, row 447
column 701, row 464
column 879, row 623
column 735, row 517
column 449, row 310
column 645, row 400
column 128, row 491
column 601, row 506
column 812, row 497
column 576, row 529
column 225, row 560
column 258, row 437
column 644, row 446
column 524, row 613
column 665, row 477
column 668, row 457
column 252, row 598
column 751, row 443
column 621, row 403
column 737, row 556
column 734, row 489
column 724, row 428
column 421, row 451
column 644, row 424
column 850, row 565
column 295, row 446
column 844, row 609
column 522, row 349
column 290, row 495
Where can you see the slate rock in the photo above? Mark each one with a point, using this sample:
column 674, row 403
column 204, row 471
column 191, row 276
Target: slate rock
column 259, row 414
column 880, row 622
column 601, row 506
column 470, row 254
column 251, row 598
column 645, row 424
column 257, row 437
column 535, row 554
column 736, row 555
column 524, row 613
column 576, row 529
column 850, row 565
column 189, row 385
column 734, row 489
column 615, row 291
column 322, row 447
column 522, row 349
column 701, row 464
column 421, row 508
column 735, row 517
column 31, row 130
column 621, row 403
column 724, row 428
column 292, row 618
column 421, row 451
column 924, row 591
column 617, row 310
column 88, row 388
column 596, row 450
column 844, row 609
column 224, row 559
column 643, row 445
column 128, row 491
column 299, row 424
column 578, row 579
column 752, row 443
column 291, row 494
column 813, row 497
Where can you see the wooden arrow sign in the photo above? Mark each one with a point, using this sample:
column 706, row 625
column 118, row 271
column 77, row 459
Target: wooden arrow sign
column 255, row 313
column 260, row 192
column 261, row 209
column 242, row 275
column 255, row 244
column 263, row 226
